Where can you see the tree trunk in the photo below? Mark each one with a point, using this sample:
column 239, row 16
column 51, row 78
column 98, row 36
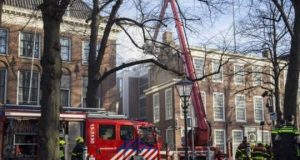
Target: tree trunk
column 291, row 88
column 93, row 71
column 96, row 61
column 52, row 12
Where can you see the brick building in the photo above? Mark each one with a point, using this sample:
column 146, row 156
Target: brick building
column 232, row 98
column 21, row 35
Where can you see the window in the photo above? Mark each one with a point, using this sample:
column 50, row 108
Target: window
column 65, row 49
column 28, row 93
column 256, row 75
column 2, row 85
column 258, row 109
column 170, row 137
column 3, row 41
column 65, row 90
column 156, row 113
column 239, row 74
column 218, row 103
column 107, row 132
column 169, row 103
column 220, row 139
column 126, row 132
column 203, row 97
column 237, row 136
column 218, row 77
column 30, row 42
column 86, row 51
column 84, row 90
column 266, row 137
column 240, row 108
column 199, row 67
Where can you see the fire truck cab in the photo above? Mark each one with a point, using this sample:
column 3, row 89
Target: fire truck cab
column 108, row 136
column 121, row 139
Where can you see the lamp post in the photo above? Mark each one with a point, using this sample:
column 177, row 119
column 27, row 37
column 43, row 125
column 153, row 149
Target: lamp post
column 184, row 88
column 262, row 123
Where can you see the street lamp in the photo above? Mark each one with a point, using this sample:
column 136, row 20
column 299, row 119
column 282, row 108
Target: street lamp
column 262, row 123
column 184, row 88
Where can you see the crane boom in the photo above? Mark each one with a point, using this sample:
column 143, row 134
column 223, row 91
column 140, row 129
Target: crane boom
column 202, row 130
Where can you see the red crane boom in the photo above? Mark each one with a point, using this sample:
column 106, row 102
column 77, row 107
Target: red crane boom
column 202, row 131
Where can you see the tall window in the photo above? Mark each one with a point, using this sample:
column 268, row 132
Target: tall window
column 240, row 107
column 84, row 90
column 220, row 139
column 156, row 113
column 65, row 49
column 239, row 74
column 86, row 51
column 170, row 137
column 258, row 109
column 266, row 137
column 26, row 89
column 216, row 68
column 256, row 75
column 3, row 41
column 65, row 90
column 237, row 137
column 2, row 85
column 218, row 103
column 169, row 104
column 199, row 67
column 30, row 42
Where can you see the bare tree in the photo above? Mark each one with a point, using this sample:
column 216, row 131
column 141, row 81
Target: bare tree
column 290, row 12
column 264, row 34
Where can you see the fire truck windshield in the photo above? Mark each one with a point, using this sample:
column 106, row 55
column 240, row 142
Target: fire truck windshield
column 147, row 136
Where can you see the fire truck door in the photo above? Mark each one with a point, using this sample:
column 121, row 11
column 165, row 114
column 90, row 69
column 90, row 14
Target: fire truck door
column 107, row 141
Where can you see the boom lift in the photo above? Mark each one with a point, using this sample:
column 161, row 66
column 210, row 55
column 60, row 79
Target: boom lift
column 202, row 132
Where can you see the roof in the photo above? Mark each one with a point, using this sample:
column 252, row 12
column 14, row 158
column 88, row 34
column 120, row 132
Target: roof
column 77, row 9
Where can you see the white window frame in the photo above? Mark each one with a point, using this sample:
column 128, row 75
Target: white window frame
column 69, row 48
column 39, row 43
column 170, row 135
column 235, row 143
column 262, row 108
column 190, row 109
column 68, row 89
column 219, row 76
column 38, row 87
column 224, row 140
column 200, row 71
column 85, row 61
column 6, row 41
column 156, row 108
column 257, row 71
column 168, row 104
column 214, row 106
column 239, row 75
column 83, row 95
column 5, row 86
column 240, row 107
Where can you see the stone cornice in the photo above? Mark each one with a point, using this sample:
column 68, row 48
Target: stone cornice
column 36, row 14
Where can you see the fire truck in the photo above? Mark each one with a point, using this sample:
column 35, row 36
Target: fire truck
column 199, row 137
column 107, row 135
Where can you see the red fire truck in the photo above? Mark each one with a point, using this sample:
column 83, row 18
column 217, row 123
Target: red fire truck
column 108, row 136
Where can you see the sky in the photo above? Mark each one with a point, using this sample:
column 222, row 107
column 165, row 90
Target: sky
column 210, row 29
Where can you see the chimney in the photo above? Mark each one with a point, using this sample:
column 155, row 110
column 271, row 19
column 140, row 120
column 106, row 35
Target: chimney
column 167, row 37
